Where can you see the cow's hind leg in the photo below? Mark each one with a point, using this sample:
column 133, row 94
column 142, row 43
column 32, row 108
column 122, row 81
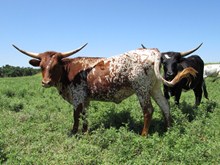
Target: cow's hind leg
column 198, row 94
column 143, row 86
column 218, row 76
column 147, row 109
column 205, row 90
column 162, row 103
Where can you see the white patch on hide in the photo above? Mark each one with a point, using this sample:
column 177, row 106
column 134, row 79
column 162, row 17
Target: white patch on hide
column 167, row 57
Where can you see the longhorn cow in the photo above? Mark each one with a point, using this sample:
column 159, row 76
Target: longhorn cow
column 174, row 62
column 212, row 70
column 83, row 79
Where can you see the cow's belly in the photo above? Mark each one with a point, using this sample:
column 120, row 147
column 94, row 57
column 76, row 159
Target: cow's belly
column 213, row 74
column 111, row 94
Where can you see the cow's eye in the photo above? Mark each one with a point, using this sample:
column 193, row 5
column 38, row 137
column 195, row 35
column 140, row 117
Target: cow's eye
column 42, row 68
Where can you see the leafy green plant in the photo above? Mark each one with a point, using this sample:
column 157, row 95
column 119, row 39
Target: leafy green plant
column 3, row 155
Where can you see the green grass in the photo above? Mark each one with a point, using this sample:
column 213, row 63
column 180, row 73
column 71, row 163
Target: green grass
column 35, row 125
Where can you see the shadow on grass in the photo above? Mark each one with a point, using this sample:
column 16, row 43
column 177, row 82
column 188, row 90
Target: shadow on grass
column 3, row 155
column 124, row 119
column 192, row 111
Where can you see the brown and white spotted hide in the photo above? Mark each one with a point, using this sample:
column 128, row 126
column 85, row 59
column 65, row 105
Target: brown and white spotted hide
column 81, row 80
column 114, row 79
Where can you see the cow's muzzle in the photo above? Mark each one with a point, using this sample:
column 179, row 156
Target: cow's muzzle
column 170, row 75
column 46, row 83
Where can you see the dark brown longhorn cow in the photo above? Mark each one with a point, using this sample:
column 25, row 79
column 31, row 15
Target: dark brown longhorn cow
column 83, row 79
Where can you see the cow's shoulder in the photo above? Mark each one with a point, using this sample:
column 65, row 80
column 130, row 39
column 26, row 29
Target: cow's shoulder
column 77, row 65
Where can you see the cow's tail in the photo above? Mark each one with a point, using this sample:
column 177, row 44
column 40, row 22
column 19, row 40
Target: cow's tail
column 204, row 90
column 183, row 74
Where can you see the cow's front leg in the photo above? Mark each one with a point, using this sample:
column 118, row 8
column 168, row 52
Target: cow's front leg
column 80, row 112
column 85, row 122
column 76, row 116
column 166, row 92
column 177, row 96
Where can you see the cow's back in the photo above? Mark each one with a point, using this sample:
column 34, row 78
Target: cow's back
column 116, row 78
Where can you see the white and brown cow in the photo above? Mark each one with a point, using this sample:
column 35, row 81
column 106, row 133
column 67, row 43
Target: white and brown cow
column 212, row 70
column 83, row 79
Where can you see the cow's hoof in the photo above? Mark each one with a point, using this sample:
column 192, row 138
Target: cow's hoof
column 72, row 133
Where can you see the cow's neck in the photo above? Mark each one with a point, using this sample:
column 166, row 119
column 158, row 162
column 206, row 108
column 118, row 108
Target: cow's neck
column 68, row 84
column 62, row 85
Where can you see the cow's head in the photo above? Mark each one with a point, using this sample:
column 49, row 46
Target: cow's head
column 51, row 64
column 171, row 60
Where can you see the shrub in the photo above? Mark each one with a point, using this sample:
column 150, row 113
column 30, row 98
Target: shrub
column 16, row 105
column 3, row 154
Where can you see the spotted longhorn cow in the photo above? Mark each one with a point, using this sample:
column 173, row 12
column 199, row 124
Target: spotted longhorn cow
column 83, row 79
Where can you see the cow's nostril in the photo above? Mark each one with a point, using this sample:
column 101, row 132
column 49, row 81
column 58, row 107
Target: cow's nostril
column 46, row 83
column 169, row 73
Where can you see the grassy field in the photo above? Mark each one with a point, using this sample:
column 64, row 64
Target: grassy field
column 35, row 125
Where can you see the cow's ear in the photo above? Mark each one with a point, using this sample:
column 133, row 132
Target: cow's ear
column 179, row 57
column 34, row 62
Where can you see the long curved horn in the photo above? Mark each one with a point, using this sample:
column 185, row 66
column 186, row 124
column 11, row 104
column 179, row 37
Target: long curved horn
column 190, row 51
column 67, row 54
column 30, row 54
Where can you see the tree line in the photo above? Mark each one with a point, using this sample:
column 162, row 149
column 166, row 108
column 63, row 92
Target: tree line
column 16, row 71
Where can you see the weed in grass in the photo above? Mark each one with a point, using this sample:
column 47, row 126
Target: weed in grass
column 16, row 105
column 9, row 93
column 3, row 154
